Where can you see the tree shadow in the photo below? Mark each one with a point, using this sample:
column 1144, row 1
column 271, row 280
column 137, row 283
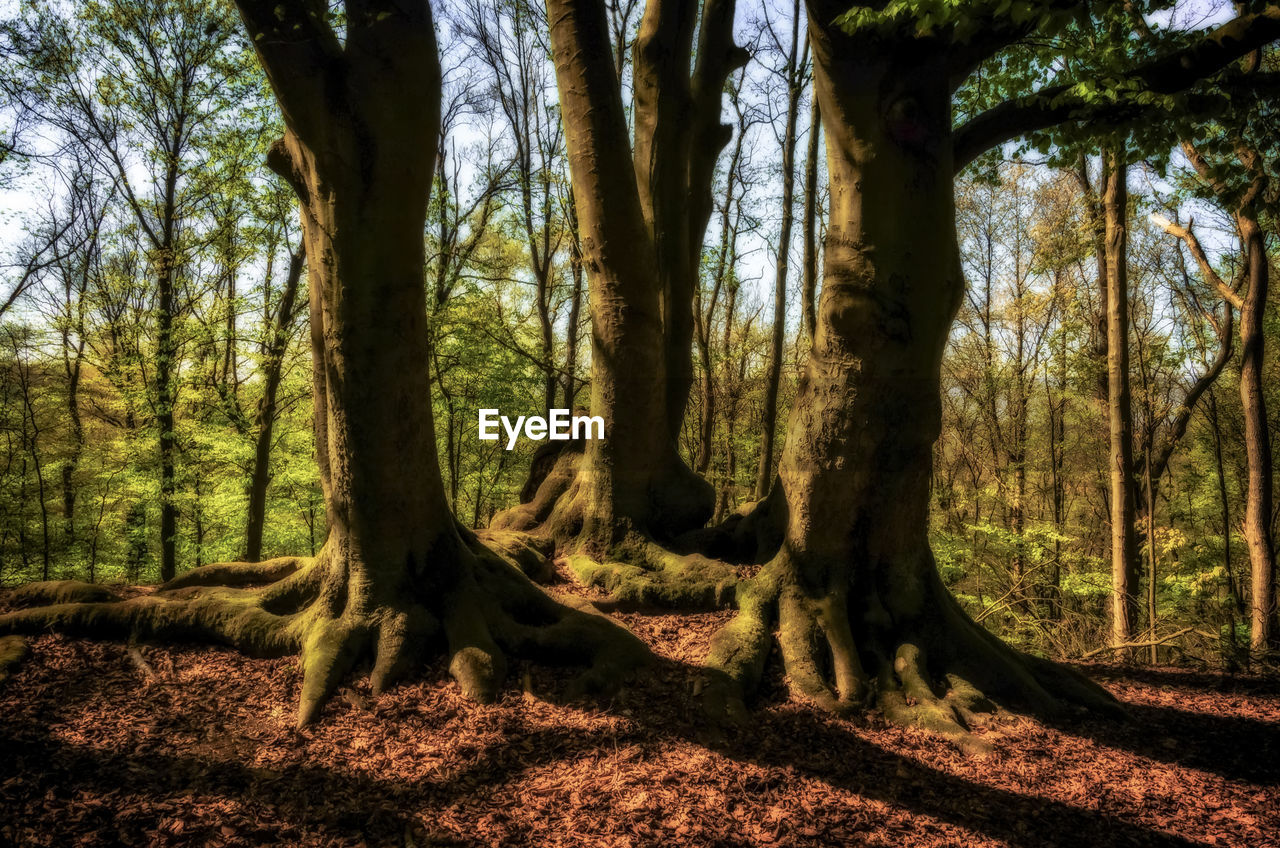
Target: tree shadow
column 1182, row 678
column 380, row 809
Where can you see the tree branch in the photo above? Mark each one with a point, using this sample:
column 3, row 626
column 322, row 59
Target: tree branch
column 1169, row 74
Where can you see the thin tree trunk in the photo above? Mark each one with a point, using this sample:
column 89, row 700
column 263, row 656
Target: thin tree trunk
column 769, row 418
column 1120, row 414
column 273, row 370
column 1258, row 496
column 1235, row 604
column 809, row 288
column 569, row 379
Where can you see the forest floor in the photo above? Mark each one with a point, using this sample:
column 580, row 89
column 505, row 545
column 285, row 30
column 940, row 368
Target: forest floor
column 102, row 744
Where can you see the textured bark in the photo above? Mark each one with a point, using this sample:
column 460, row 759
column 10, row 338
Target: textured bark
column 1257, row 438
column 859, row 605
column 1124, row 546
column 641, row 214
column 397, row 576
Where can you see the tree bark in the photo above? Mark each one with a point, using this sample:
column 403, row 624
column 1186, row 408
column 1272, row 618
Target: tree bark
column 859, row 605
column 1124, row 560
column 1257, row 437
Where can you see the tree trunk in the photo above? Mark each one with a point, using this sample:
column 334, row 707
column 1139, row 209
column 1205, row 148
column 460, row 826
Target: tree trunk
column 1257, row 438
column 855, row 590
column 166, row 401
column 396, row 572
column 809, row 287
column 272, row 373
column 639, row 217
column 1124, row 560
column 569, row 378
column 769, row 418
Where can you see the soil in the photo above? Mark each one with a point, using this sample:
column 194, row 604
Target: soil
column 107, row 744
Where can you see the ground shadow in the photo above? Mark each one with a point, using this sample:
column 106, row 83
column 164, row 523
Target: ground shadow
column 313, row 799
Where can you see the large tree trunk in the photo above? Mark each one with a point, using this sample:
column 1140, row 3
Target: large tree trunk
column 1124, row 547
column 397, row 576
column 855, row 590
column 641, row 218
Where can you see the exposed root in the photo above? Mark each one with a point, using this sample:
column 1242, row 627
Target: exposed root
column 531, row 554
column 59, row 592
column 13, row 650
column 238, row 573
column 643, row 573
column 319, row 610
column 936, row 670
column 552, row 473
column 556, row 501
column 750, row 536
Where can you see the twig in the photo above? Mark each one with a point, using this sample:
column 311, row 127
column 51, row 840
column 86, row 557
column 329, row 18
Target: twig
column 1147, row 644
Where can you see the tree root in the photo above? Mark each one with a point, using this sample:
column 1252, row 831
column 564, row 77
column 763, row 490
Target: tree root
column 752, row 535
column 318, row 611
column 13, row 650
column 636, row 571
column 644, row 574
column 531, row 554
column 238, row 573
column 59, row 592
column 937, row 670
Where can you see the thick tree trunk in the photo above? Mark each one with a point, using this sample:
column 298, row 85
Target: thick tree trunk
column 396, row 573
column 1258, row 497
column 638, row 216
column 859, row 603
column 1124, row 559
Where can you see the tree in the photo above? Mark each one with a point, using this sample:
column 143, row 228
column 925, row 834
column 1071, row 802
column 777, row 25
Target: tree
column 795, row 75
column 1244, row 209
column 859, row 605
column 1124, row 545
column 641, row 222
column 396, row 571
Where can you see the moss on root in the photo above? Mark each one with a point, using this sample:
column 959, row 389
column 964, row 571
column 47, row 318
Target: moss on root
column 646, row 575
column 13, row 650
column 332, row 620
column 530, row 554
column 938, row 670
column 59, row 592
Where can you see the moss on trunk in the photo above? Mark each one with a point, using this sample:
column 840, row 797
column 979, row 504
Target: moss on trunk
column 861, row 614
